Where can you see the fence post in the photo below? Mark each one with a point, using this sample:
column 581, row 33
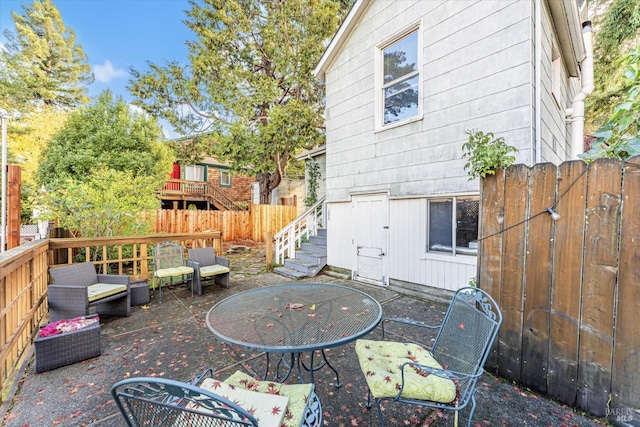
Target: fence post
column 268, row 245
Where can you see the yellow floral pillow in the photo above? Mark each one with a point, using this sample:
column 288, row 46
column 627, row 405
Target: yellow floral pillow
column 381, row 362
column 298, row 394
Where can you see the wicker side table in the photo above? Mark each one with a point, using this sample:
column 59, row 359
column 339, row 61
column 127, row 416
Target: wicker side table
column 65, row 349
column 139, row 293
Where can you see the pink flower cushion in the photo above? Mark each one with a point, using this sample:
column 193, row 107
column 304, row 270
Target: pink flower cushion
column 66, row 325
column 298, row 395
column 268, row 409
column 381, row 362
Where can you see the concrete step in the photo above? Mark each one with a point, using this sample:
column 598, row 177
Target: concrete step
column 316, row 249
column 318, row 258
column 288, row 272
column 318, row 240
column 308, row 268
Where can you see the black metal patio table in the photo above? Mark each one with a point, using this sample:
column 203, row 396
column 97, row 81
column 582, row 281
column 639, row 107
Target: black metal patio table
column 293, row 319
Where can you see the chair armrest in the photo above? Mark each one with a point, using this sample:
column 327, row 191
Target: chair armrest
column 222, row 261
column 406, row 321
column 195, row 265
column 114, row 279
column 62, row 293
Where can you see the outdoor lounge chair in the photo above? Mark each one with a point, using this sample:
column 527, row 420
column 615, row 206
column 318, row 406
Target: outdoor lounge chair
column 77, row 290
column 206, row 265
column 444, row 377
column 169, row 263
column 238, row 401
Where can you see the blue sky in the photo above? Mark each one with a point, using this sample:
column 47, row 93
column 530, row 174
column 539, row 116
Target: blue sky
column 119, row 34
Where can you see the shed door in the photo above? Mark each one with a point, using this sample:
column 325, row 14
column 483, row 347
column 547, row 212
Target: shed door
column 370, row 225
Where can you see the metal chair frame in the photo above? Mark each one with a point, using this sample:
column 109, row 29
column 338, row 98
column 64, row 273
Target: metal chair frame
column 169, row 255
column 463, row 343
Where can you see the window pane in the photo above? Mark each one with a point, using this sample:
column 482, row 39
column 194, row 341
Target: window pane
column 401, row 100
column 467, row 226
column 194, row 173
column 400, row 58
column 225, row 177
column 440, row 230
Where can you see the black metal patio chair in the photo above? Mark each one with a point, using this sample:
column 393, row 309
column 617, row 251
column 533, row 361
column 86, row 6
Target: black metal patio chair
column 446, row 376
column 238, row 401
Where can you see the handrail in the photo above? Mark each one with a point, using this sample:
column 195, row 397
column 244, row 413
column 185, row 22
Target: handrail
column 290, row 237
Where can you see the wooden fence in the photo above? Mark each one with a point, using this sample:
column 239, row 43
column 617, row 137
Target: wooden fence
column 569, row 288
column 24, row 280
column 234, row 225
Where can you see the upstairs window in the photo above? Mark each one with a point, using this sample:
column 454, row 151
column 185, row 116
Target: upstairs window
column 225, row 178
column 452, row 220
column 194, row 173
column 400, row 83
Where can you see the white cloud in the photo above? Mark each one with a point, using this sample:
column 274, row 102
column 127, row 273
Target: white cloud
column 105, row 73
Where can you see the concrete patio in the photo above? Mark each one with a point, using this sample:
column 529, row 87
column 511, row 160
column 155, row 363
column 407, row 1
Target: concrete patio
column 172, row 340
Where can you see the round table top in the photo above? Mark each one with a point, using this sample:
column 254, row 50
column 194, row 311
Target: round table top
column 294, row 317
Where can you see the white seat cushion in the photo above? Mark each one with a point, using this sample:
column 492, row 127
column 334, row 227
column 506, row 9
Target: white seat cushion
column 212, row 270
column 268, row 409
column 175, row 271
column 103, row 290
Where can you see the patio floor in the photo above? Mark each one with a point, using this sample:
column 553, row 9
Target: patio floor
column 172, row 340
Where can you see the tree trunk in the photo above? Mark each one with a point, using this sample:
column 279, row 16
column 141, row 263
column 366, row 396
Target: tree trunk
column 268, row 183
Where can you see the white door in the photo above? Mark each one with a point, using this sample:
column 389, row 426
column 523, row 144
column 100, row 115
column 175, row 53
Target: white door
column 370, row 227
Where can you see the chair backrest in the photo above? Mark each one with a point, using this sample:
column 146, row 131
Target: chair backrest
column 203, row 256
column 82, row 274
column 155, row 402
column 168, row 255
column 468, row 331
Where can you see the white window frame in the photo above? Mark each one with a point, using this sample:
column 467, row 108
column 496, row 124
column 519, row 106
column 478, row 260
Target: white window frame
column 454, row 252
column 556, row 76
column 195, row 171
column 380, row 86
column 224, row 183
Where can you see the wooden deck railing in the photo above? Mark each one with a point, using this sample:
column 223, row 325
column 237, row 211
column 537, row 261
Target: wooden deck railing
column 24, row 280
column 201, row 189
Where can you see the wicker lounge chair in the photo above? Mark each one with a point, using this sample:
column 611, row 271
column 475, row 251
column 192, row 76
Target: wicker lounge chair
column 154, row 401
column 77, row 290
column 206, row 265
column 444, row 377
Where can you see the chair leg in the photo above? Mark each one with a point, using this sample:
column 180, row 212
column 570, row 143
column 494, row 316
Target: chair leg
column 378, row 402
column 473, row 408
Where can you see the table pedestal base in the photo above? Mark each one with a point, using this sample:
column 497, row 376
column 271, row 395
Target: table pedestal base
column 295, row 360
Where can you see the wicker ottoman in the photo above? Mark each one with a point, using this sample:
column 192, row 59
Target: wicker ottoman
column 139, row 293
column 59, row 350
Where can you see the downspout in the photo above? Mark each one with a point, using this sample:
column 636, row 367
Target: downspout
column 538, row 77
column 576, row 113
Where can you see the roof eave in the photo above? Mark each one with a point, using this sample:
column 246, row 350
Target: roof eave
column 340, row 37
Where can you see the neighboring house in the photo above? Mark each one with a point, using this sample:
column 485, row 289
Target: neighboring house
column 404, row 81
column 206, row 185
column 318, row 156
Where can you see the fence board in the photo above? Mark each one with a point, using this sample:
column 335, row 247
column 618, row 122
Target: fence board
column 490, row 247
column 535, row 332
column 599, row 285
column 566, row 289
column 626, row 360
column 512, row 291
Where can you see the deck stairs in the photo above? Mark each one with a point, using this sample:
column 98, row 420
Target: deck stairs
column 301, row 247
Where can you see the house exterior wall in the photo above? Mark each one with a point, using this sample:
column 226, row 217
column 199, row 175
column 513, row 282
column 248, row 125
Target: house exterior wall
column 240, row 189
column 477, row 73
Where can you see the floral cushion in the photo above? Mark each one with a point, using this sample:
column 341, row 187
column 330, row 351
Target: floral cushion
column 297, row 394
column 381, row 362
column 268, row 409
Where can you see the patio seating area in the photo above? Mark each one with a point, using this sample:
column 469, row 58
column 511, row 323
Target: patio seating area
column 171, row 340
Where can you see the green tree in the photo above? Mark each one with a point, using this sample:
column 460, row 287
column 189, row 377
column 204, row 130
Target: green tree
column 619, row 137
column 248, row 83
column 105, row 134
column 617, row 31
column 43, row 64
column 108, row 203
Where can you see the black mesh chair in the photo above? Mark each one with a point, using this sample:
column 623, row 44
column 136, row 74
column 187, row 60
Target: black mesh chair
column 444, row 377
column 153, row 401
